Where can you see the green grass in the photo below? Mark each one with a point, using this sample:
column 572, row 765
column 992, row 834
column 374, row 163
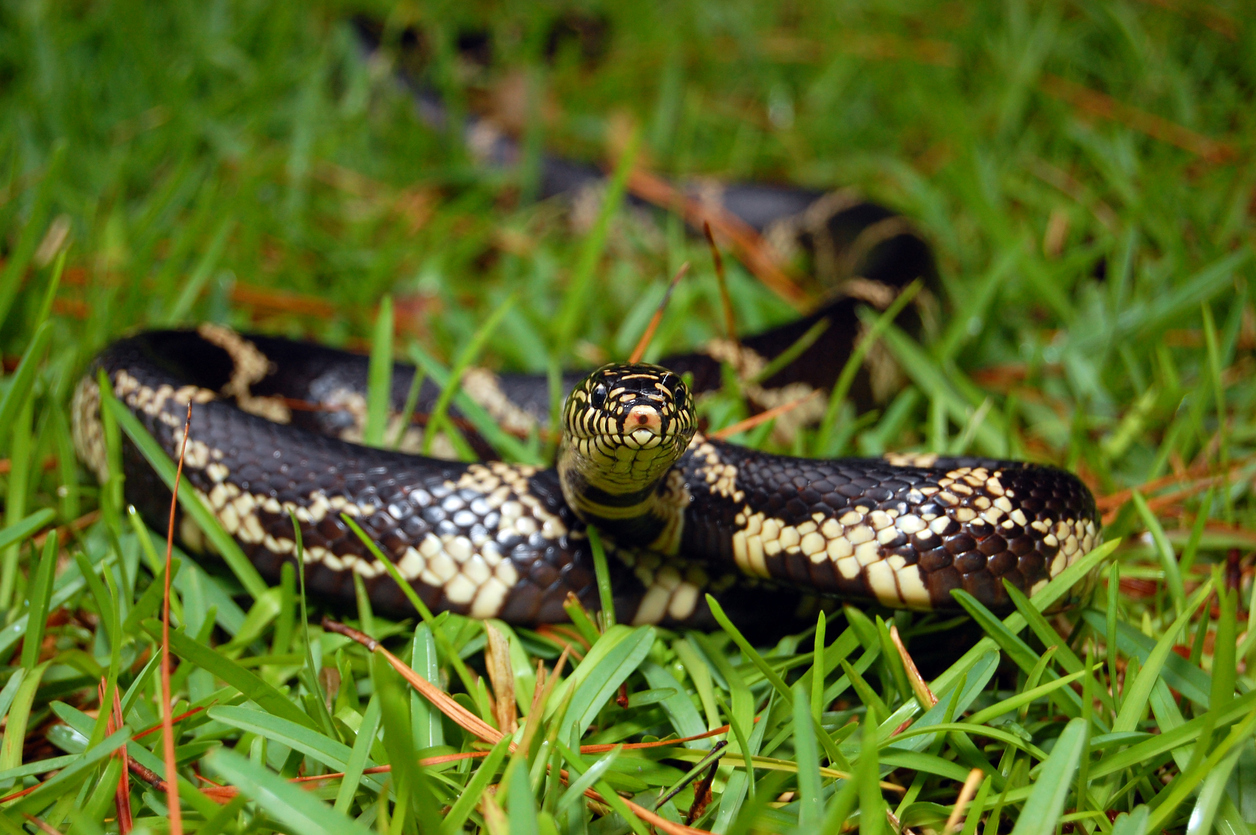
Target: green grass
column 166, row 163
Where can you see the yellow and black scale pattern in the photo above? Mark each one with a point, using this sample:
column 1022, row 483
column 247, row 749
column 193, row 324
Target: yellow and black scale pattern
column 624, row 427
column 501, row 540
column 905, row 532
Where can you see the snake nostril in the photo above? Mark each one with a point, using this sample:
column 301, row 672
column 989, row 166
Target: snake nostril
column 644, row 417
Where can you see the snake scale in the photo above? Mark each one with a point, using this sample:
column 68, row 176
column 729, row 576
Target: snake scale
column 276, row 423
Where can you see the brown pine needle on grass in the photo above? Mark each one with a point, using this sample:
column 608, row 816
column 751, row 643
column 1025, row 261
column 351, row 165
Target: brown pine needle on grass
column 122, row 797
column 155, row 728
column 42, row 826
column 754, row 420
column 167, row 718
column 1194, row 480
column 18, row 794
column 971, row 784
column 224, row 793
column 751, row 248
column 1105, row 107
column 730, row 320
column 566, row 636
column 644, row 342
column 918, row 684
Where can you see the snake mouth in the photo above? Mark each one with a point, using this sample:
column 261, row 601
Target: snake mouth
column 644, row 437
column 639, row 439
column 641, row 426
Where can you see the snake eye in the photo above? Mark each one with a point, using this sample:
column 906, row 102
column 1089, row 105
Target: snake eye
column 597, row 397
column 675, row 386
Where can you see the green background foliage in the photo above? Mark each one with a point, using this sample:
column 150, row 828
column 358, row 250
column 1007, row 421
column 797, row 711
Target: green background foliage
column 1084, row 173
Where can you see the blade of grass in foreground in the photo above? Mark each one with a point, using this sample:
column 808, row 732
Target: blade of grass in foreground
column 71, row 775
column 38, row 594
column 466, row 802
column 26, row 526
column 18, row 715
column 617, row 653
column 248, row 683
column 1043, row 600
column 1042, row 810
column 419, row 606
column 330, row 752
column 359, row 755
column 299, row 810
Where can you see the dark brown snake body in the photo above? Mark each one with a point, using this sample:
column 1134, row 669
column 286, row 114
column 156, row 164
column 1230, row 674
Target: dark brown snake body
column 501, row 540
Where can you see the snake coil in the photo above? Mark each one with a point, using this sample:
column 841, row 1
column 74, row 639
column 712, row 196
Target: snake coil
column 507, row 540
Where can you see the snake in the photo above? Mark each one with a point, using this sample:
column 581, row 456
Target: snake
column 684, row 516
column 277, row 425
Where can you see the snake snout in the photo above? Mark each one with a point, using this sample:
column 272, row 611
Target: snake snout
column 644, row 424
column 644, row 418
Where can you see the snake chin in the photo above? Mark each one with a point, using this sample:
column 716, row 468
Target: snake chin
column 605, row 460
column 644, row 438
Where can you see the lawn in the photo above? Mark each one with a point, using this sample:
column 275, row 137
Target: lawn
column 1084, row 174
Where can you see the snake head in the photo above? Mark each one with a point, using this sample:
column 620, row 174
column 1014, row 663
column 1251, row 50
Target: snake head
column 625, row 425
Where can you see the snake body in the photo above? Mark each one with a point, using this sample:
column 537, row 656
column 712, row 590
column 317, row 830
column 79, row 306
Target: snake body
column 501, row 540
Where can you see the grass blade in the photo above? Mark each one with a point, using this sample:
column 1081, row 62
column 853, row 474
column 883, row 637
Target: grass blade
column 38, row 594
column 379, row 376
column 1042, row 810
column 248, row 683
column 576, row 298
column 188, row 499
column 282, row 801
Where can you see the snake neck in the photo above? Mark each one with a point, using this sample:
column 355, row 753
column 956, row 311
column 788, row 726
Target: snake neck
column 627, row 495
